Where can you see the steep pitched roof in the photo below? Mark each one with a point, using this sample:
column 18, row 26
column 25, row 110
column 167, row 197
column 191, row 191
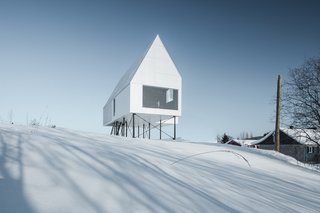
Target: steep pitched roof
column 128, row 76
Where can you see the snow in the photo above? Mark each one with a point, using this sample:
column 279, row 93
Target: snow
column 60, row 170
column 243, row 142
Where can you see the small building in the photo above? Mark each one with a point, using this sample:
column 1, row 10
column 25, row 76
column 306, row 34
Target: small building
column 293, row 142
column 147, row 97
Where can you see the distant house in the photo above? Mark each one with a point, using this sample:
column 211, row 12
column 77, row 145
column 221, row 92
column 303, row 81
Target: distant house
column 293, row 142
column 234, row 142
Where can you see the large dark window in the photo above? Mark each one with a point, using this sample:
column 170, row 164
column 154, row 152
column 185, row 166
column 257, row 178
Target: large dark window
column 158, row 97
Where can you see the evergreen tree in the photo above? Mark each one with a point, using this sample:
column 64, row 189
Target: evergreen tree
column 225, row 138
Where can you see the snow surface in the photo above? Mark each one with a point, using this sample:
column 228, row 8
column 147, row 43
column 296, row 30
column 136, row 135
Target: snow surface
column 59, row 170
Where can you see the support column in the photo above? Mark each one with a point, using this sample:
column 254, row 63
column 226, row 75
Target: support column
column 123, row 127
column 112, row 129
column 133, row 126
column 118, row 128
column 149, row 129
column 126, row 128
column 138, row 131
column 174, row 128
column 143, row 130
column 160, row 129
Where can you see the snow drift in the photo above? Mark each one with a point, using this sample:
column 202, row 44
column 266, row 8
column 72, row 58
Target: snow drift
column 59, row 170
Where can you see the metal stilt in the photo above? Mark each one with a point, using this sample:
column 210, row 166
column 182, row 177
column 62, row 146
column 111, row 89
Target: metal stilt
column 133, row 126
column 174, row 128
column 143, row 130
column 160, row 129
column 126, row 128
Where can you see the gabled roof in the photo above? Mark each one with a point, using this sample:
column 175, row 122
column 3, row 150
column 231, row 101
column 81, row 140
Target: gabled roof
column 128, row 76
column 243, row 142
column 261, row 139
column 299, row 135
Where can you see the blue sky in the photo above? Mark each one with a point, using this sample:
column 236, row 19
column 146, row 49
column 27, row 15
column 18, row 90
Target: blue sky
column 62, row 59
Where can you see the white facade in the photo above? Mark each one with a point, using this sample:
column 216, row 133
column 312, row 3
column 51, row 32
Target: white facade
column 151, row 89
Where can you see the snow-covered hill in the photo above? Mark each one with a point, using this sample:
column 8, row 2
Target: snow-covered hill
column 58, row 170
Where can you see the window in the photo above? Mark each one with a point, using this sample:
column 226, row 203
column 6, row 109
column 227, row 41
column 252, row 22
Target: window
column 169, row 95
column 310, row 149
column 114, row 107
column 161, row 98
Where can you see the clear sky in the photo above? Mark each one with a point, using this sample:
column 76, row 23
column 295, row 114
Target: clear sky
column 61, row 59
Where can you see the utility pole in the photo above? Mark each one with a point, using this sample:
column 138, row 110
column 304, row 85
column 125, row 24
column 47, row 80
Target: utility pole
column 277, row 130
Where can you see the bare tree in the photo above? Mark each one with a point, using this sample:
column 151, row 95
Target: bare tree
column 245, row 135
column 301, row 98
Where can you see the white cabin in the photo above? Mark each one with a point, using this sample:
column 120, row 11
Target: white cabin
column 148, row 96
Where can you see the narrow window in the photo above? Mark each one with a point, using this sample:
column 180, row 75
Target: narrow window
column 310, row 149
column 114, row 107
column 169, row 95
